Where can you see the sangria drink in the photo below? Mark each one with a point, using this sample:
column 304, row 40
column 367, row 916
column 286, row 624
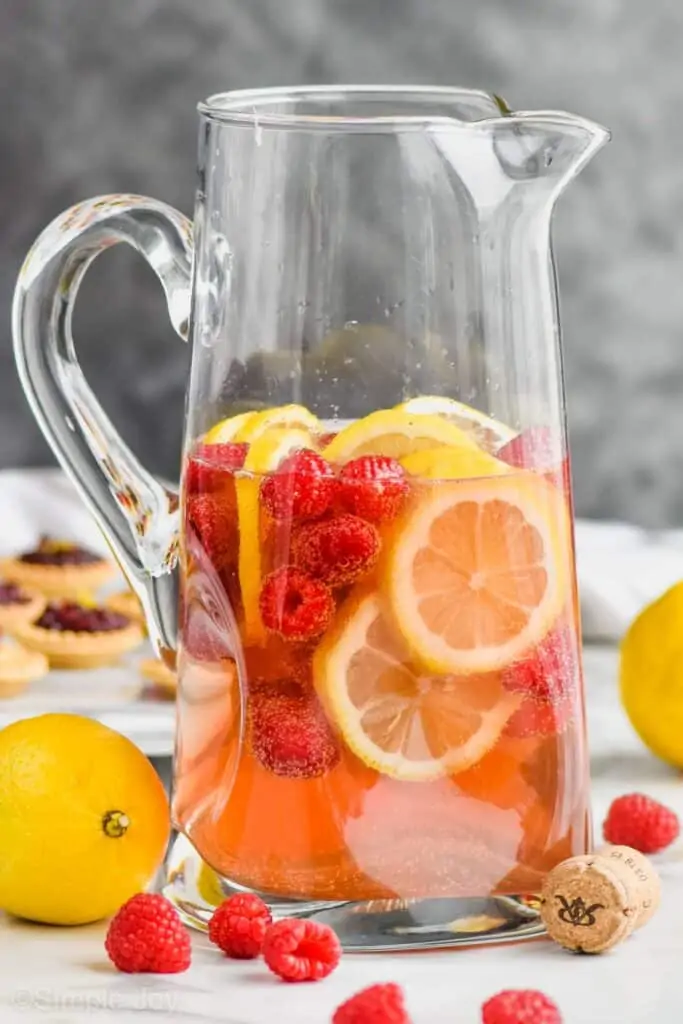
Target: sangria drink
column 380, row 690
column 380, row 719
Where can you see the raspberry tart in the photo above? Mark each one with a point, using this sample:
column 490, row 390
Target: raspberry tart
column 126, row 603
column 19, row 667
column 18, row 605
column 59, row 568
column 74, row 635
column 159, row 675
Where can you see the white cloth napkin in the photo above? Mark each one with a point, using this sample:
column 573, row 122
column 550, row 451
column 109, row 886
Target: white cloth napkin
column 621, row 568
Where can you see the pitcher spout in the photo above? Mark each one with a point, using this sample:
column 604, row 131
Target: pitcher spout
column 547, row 145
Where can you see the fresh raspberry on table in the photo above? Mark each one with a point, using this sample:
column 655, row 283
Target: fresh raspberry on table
column 295, row 605
column 301, row 950
column 337, row 551
column 238, row 926
column 538, row 448
column 549, row 672
column 639, row 821
column 378, row 1004
column 210, row 465
column 215, row 523
column 520, row 1006
column 302, row 487
column 289, row 733
column 373, row 487
column 147, row 935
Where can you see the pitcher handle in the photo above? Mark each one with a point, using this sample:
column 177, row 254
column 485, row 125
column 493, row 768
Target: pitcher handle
column 138, row 515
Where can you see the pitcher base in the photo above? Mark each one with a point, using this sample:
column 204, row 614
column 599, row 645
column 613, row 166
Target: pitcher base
column 369, row 926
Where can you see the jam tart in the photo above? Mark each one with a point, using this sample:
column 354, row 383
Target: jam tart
column 19, row 667
column 18, row 605
column 59, row 568
column 162, row 678
column 75, row 635
column 126, row 603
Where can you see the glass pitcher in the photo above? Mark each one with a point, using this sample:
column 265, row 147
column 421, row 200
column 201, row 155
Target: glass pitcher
column 367, row 581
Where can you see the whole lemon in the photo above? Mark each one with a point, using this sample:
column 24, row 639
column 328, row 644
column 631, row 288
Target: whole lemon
column 84, row 819
column 651, row 675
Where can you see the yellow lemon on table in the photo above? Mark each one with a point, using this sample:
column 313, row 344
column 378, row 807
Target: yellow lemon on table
column 84, row 819
column 651, row 675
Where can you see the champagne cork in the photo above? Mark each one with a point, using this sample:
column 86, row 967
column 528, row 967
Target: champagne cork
column 590, row 904
column 637, row 867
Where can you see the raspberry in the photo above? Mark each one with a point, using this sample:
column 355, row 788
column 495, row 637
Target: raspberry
column 238, row 926
column 520, row 1006
column 540, row 717
column 301, row 950
column 537, row 448
column 378, row 1004
column 373, row 487
column 337, row 551
column 214, row 520
column 209, row 463
column 547, row 678
column 147, row 935
column 301, row 488
column 295, row 605
column 640, row 822
column 290, row 735
column 547, row 673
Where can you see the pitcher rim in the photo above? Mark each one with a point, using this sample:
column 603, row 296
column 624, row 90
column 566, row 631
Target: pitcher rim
column 249, row 107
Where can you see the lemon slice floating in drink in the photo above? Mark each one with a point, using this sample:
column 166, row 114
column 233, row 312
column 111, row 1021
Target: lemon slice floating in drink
column 479, row 571
column 490, row 434
column 294, row 416
column 446, row 463
column 396, row 719
column 396, row 433
column 227, row 430
column 265, row 454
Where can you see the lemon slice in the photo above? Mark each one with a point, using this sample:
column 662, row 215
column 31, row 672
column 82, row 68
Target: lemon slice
column 394, row 433
column 396, row 719
column 227, row 429
column 280, row 416
column 448, row 463
column 480, row 571
column 490, row 434
column 265, row 454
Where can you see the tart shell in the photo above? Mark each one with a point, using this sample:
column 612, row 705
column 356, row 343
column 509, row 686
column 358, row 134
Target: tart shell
column 15, row 614
column 58, row 580
column 65, row 649
column 126, row 603
column 18, row 668
column 156, row 672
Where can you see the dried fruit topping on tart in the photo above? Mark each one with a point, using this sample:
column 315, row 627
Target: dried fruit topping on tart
column 72, row 617
column 57, row 552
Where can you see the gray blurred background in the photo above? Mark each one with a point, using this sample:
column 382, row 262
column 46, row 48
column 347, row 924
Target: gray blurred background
column 100, row 97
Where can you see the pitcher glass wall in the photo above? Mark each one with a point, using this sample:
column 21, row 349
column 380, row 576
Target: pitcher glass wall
column 380, row 717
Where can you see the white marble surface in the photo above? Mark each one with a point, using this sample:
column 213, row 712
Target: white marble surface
column 63, row 976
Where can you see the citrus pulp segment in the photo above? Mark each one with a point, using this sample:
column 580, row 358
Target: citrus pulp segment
column 490, row 434
column 226, row 430
column 478, row 572
column 448, row 463
column 394, row 433
column 396, row 719
column 265, row 454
